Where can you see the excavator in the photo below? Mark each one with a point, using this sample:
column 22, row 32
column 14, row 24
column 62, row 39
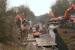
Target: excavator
column 67, row 14
column 67, row 18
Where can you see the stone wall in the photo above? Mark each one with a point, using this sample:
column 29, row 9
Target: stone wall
column 68, row 35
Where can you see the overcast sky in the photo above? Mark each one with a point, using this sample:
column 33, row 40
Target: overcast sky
column 39, row 7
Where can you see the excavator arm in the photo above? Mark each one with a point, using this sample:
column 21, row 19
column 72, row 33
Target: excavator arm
column 66, row 14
